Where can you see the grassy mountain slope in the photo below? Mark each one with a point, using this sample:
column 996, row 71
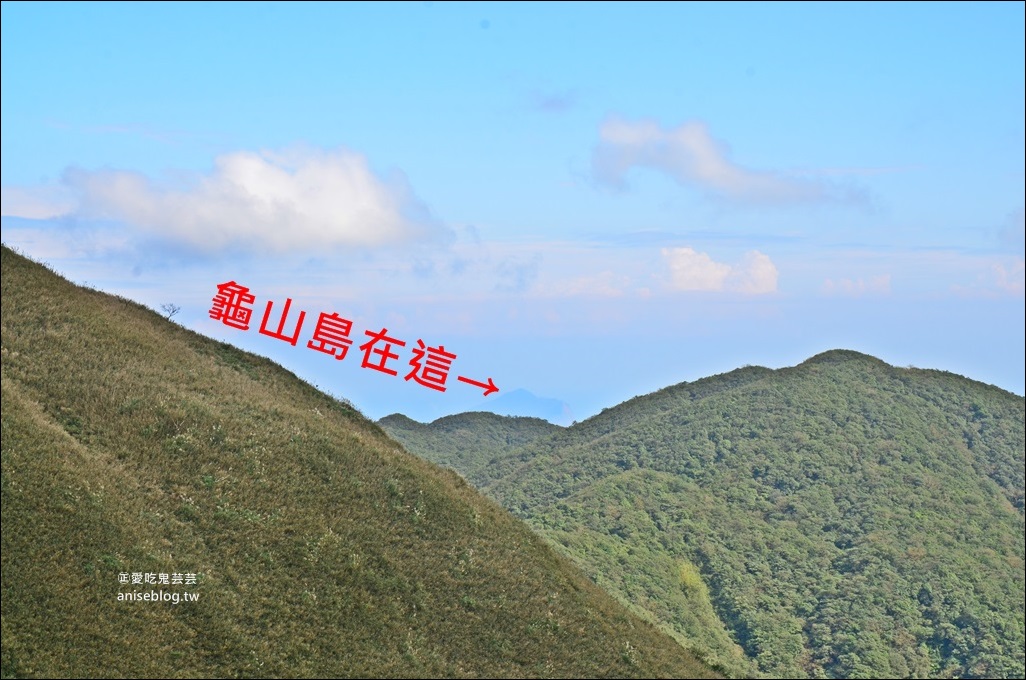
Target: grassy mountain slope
column 841, row 518
column 130, row 445
column 466, row 442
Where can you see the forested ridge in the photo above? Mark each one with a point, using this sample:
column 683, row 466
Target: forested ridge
column 840, row 518
column 467, row 441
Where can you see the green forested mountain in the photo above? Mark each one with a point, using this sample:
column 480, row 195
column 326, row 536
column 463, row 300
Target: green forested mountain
column 466, row 442
column 841, row 518
column 319, row 547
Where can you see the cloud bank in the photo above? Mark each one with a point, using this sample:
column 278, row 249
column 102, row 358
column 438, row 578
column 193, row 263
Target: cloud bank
column 268, row 201
column 689, row 155
column 36, row 203
column 1010, row 279
column 690, row 270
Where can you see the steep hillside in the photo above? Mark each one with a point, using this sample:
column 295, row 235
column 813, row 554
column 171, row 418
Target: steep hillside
column 841, row 518
column 318, row 547
column 466, row 442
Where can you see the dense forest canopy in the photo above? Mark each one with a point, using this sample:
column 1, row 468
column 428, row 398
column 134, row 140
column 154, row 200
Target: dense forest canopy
column 840, row 518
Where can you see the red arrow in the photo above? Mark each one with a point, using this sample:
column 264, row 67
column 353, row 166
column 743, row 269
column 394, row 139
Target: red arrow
column 489, row 386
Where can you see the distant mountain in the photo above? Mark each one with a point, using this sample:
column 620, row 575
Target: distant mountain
column 841, row 518
column 466, row 442
column 522, row 403
column 136, row 450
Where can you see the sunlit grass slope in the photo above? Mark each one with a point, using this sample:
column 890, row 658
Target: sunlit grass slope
column 130, row 444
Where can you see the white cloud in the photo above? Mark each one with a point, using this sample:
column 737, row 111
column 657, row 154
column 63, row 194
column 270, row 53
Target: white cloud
column 878, row 285
column 690, row 156
column 1010, row 279
column 755, row 274
column 36, row 203
column 297, row 200
column 691, row 270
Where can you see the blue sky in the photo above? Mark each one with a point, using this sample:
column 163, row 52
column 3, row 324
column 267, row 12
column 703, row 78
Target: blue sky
column 586, row 201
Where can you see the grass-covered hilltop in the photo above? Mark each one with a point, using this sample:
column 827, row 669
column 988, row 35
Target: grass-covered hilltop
column 320, row 548
column 841, row 518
